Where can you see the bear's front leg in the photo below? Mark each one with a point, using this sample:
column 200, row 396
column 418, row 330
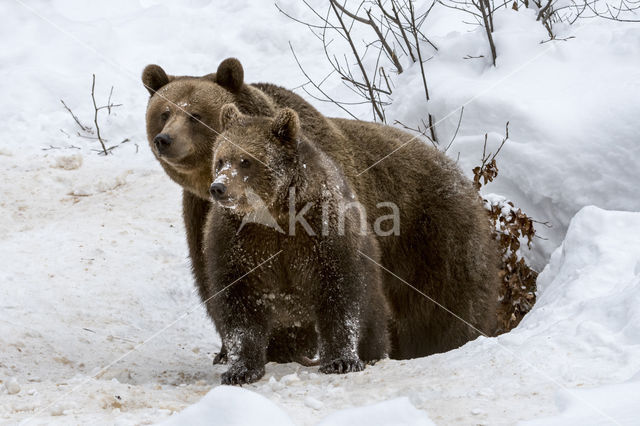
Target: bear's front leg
column 338, row 312
column 244, row 326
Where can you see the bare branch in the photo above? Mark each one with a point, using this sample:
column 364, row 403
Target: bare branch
column 95, row 115
column 424, row 78
column 317, row 86
column 419, row 130
column 484, row 7
column 457, row 128
column 75, row 118
column 376, row 108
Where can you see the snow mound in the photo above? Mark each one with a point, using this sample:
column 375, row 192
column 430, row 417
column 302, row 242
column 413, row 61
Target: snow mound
column 589, row 294
column 619, row 401
column 229, row 405
column 397, row 411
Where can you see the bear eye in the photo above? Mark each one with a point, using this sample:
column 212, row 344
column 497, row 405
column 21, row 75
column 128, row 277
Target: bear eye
column 219, row 165
column 195, row 118
column 164, row 116
column 245, row 163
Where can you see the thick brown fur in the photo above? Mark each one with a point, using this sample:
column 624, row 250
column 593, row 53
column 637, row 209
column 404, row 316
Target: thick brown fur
column 192, row 112
column 318, row 275
column 444, row 249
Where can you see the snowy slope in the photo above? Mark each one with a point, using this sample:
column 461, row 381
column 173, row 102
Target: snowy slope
column 571, row 108
column 99, row 321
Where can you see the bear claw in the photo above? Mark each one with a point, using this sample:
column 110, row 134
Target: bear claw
column 342, row 365
column 240, row 375
column 221, row 357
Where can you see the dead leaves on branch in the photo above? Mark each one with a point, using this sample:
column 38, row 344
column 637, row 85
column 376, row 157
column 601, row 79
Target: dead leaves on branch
column 510, row 226
column 517, row 294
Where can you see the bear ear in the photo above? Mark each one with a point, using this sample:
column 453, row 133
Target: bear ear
column 229, row 114
column 230, row 74
column 154, row 78
column 286, row 125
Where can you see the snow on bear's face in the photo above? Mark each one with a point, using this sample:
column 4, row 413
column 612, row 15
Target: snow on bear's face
column 254, row 160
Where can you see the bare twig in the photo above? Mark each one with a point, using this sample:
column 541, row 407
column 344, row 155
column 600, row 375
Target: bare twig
column 109, row 105
column 457, row 129
column 75, row 118
column 95, row 115
column 558, row 39
column 87, row 132
column 60, row 147
column 318, row 88
column 376, row 108
column 111, row 148
column 485, row 11
column 395, row 32
column 395, row 18
column 422, row 131
column 391, row 54
column 414, row 30
column 544, row 10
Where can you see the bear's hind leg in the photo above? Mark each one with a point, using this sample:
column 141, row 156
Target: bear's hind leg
column 292, row 344
column 374, row 341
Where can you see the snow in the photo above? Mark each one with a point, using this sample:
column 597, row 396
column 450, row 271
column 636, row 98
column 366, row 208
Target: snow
column 228, row 405
column 619, row 402
column 99, row 318
column 12, row 386
column 571, row 108
column 398, row 411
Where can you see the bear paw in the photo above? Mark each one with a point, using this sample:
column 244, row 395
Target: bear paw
column 342, row 365
column 240, row 375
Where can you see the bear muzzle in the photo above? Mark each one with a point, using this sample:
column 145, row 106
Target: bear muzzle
column 218, row 190
column 162, row 143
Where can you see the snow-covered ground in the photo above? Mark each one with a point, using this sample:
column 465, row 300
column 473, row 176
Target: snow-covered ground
column 99, row 321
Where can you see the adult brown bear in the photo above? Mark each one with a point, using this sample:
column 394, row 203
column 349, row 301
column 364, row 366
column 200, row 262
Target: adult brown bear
column 440, row 271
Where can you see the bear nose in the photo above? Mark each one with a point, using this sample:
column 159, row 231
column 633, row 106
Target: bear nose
column 217, row 190
column 162, row 142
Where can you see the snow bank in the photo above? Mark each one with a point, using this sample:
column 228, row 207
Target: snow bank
column 397, row 411
column 571, row 106
column 588, row 312
column 589, row 296
column 619, row 403
column 229, row 405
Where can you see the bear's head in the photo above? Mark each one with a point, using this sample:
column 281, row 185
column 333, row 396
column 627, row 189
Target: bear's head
column 183, row 118
column 255, row 160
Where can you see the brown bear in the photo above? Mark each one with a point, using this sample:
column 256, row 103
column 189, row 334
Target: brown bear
column 182, row 126
column 440, row 269
column 310, row 275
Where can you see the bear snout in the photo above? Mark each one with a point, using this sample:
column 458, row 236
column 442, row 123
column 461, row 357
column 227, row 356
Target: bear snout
column 162, row 142
column 217, row 190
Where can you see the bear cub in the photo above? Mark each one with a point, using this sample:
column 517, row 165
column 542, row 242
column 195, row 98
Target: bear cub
column 284, row 249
